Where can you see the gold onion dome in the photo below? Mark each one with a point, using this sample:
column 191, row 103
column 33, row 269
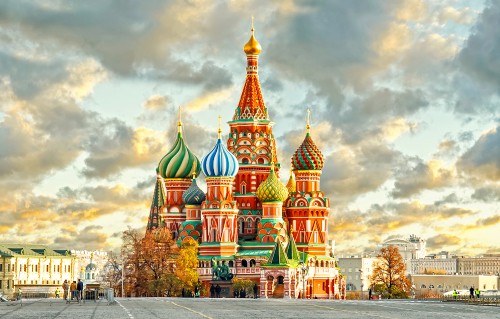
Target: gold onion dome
column 252, row 46
column 290, row 186
column 272, row 190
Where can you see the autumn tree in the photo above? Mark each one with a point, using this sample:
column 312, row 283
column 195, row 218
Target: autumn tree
column 187, row 264
column 388, row 276
column 112, row 272
column 148, row 260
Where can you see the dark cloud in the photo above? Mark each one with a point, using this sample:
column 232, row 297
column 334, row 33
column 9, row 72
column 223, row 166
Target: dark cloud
column 114, row 145
column 480, row 57
column 417, row 176
column 483, row 158
column 487, row 194
column 439, row 241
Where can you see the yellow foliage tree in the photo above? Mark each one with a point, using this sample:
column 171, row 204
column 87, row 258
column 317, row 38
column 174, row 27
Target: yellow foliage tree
column 187, row 263
column 388, row 276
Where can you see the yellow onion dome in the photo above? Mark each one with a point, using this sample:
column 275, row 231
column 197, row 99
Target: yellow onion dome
column 272, row 190
column 252, row 46
column 291, row 185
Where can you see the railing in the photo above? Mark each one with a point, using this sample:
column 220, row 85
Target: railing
column 484, row 301
column 92, row 294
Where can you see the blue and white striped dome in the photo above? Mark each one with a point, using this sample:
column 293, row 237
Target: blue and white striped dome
column 219, row 162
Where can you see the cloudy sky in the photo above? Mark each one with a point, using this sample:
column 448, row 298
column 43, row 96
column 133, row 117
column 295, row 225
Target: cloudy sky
column 404, row 95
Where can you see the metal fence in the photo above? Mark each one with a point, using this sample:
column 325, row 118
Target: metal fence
column 484, row 301
column 88, row 295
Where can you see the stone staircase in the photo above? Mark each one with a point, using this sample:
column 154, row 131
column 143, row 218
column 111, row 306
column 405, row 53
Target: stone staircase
column 279, row 291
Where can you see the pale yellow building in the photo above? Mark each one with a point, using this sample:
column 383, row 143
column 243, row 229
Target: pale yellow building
column 444, row 283
column 34, row 268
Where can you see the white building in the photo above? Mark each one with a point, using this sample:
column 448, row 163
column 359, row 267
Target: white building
column 357, row 271
column 90, row 265
column 34, row 268
column 485, row 265
column 428, row 265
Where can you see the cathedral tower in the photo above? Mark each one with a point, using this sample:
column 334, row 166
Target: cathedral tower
column 307, row 208
column 176, row 168
column 219, row 210
column 251, row 140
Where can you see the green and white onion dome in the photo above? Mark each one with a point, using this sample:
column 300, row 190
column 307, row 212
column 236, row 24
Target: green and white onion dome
column 179, row 162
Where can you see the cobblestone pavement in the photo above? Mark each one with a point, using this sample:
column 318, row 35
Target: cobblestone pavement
column 152, row 308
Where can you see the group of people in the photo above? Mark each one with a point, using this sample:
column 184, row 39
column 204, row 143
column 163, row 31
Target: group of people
column 473, row 292
column 72, row 291
column 215, row 291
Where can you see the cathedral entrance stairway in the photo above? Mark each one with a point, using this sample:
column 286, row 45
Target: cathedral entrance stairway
column 279, row 291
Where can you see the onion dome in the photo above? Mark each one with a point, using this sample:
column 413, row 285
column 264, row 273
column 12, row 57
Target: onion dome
column 252, row 46
column 179, row 162
column 91, row 267
column 272, row 190
column 308, row 156
column 219, row 161
column 193, row 195
column 291, row 186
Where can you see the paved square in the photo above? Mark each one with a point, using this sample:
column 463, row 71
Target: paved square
column 186, row 308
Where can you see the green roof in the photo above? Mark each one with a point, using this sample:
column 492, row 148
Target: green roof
column 278, row 256
column 14, row 250
column 251, row 253
column 291, row 250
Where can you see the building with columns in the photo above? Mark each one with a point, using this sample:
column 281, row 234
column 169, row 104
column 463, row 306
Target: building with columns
column 34, row 268
column 273, row 234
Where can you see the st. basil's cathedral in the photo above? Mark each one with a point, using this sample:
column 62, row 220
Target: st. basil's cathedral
column 272, row 234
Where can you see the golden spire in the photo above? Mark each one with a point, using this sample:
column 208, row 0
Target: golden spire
column 252, row 46
column 179, row 123
column 308, row 126
column 219, row 131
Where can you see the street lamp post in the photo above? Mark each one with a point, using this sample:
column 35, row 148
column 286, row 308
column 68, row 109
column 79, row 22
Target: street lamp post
column 304, row 269
column 361, row 277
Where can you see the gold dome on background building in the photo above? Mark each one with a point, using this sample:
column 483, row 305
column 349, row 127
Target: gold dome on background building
column 252, row 46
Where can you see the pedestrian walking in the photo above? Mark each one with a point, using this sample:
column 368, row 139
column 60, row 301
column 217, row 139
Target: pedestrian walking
column 255, row 290
column 471, row 290
column 65, row 287
column 72, row 288
column 57, row 293
column 478, row 293
column 79, row 288
column 455, row 294
column 370, row 294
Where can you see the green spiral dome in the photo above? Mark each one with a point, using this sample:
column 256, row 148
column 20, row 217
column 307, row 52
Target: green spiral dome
column 179, row 162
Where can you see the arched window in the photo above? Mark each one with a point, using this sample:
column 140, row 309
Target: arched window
column 260, row 161
column 242, row 225
column 231, row 263
column 252, row 263
column 244, row 161
column 243, row 189
column 249, row 223
column 244, row 263
column 423, row 286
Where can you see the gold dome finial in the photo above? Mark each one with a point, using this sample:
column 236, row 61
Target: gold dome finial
column 252, row 46
column 308, row 126
column 179, row 123
column 219, row 131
